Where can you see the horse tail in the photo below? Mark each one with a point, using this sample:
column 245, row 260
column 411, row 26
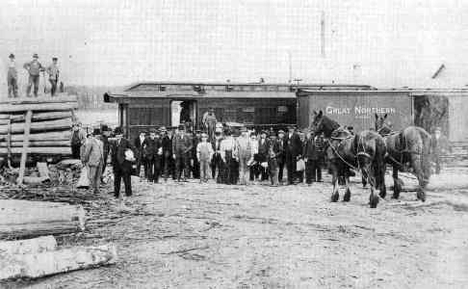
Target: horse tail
column 418, row 146
column 379, row 164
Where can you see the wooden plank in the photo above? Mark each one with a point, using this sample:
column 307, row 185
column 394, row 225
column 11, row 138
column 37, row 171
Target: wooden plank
column 28, row 246
column 59, row 124
column 37, row 116
column 47, row 143
column 9, row 143
column 5, row 108
column 43, row 170
column 46, row 136
column 61, row 99
column 53, row 262
column 39, row 150
column 25, row 219
column 24, row 151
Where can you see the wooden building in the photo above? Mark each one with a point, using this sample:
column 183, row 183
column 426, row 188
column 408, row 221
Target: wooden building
column 154, row 104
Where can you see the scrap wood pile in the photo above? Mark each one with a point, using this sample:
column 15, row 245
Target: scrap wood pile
column 22, row 257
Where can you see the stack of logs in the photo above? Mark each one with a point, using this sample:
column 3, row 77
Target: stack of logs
column 40, row 126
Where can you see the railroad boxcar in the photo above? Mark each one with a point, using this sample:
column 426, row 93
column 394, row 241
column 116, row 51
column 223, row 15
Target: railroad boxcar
column 258, row 105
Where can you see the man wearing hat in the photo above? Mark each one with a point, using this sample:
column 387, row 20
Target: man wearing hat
column 281, row 157
column 152, row 153
column 217, row 164
column 181, row 150
column 311, row 153
column 34, row 68
column 93, row 158
column 138, row 144
column 77, row 139
column 209, row 122
column 245, row 155
column 273, row 152
column 166, row 146
column 293, row 150
column 12, row 77
column 195, row 165
column 53, row 72
column 204, row 156
column 104, row 138
column 263, row 155
column 439, row 146
column 122, row 163
column 228, row 155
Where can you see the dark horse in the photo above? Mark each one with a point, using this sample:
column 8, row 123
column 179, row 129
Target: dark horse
column 365, row 150
column 408, row 148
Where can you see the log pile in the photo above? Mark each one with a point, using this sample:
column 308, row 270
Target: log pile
column 40, row 257
column 48, row 132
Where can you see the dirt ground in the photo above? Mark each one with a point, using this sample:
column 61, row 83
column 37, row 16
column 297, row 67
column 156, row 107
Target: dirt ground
column 192, row 235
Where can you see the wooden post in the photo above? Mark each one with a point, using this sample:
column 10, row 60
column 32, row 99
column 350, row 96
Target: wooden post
column 9, row 142
column 24, row 153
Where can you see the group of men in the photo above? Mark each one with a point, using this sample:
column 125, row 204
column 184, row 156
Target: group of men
column 230, row 157
column 93, row 149
column 34, row 69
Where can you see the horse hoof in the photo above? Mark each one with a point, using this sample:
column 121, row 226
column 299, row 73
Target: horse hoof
column 421, row 196
column 374, row 201
column 347, row 196
column 383, row 194
column 335, row 196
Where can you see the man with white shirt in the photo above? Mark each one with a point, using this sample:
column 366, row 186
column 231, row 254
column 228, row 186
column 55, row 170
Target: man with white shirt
column 53, row 72
column 228, row 154
column 12, row 77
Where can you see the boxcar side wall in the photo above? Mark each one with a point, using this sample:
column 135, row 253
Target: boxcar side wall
column 458, row 119
column 250, row 111
column 358, row 109
column 144, row 114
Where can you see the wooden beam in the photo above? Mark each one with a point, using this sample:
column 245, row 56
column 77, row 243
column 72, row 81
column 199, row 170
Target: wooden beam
column 4, row 108
column 60, row 99
column 47, row 263
column 37, row 116
column 46, row 143
column 46, row 136
column 29, row 246
column 58, row 124
column 39, row 150
column 24, row 151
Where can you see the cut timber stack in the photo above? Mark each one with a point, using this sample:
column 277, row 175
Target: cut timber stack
column 49, row 129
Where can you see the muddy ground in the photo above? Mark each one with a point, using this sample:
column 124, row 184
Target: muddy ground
column 193, row 235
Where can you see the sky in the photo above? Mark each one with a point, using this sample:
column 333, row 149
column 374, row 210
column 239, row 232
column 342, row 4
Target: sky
column 109, row 42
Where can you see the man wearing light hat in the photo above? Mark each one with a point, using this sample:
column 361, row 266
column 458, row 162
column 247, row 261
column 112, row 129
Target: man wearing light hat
column 34, row 68
column 12, row 77
column 53, row 72
column 244, row 153
column 93, row 158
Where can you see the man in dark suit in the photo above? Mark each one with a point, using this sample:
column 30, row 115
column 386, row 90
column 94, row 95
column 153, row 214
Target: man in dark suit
column 181, row 152
column 138, row 143
column 293, row 150
column 121, row 164
column 281, row 157
column 152, row 154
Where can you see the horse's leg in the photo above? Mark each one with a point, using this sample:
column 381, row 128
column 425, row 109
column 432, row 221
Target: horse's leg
column 397, row 183
column 347, row 195
column 364, row 182
column 416, row 163
column 381, row 182
column 335, row 193
column 373, row 197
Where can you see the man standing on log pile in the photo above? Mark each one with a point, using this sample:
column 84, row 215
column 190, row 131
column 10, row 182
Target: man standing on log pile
column 12, row 77
column 34, row 69
column 93, row 158
column 53, row 72
column 78, row 138
column 122, row 163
